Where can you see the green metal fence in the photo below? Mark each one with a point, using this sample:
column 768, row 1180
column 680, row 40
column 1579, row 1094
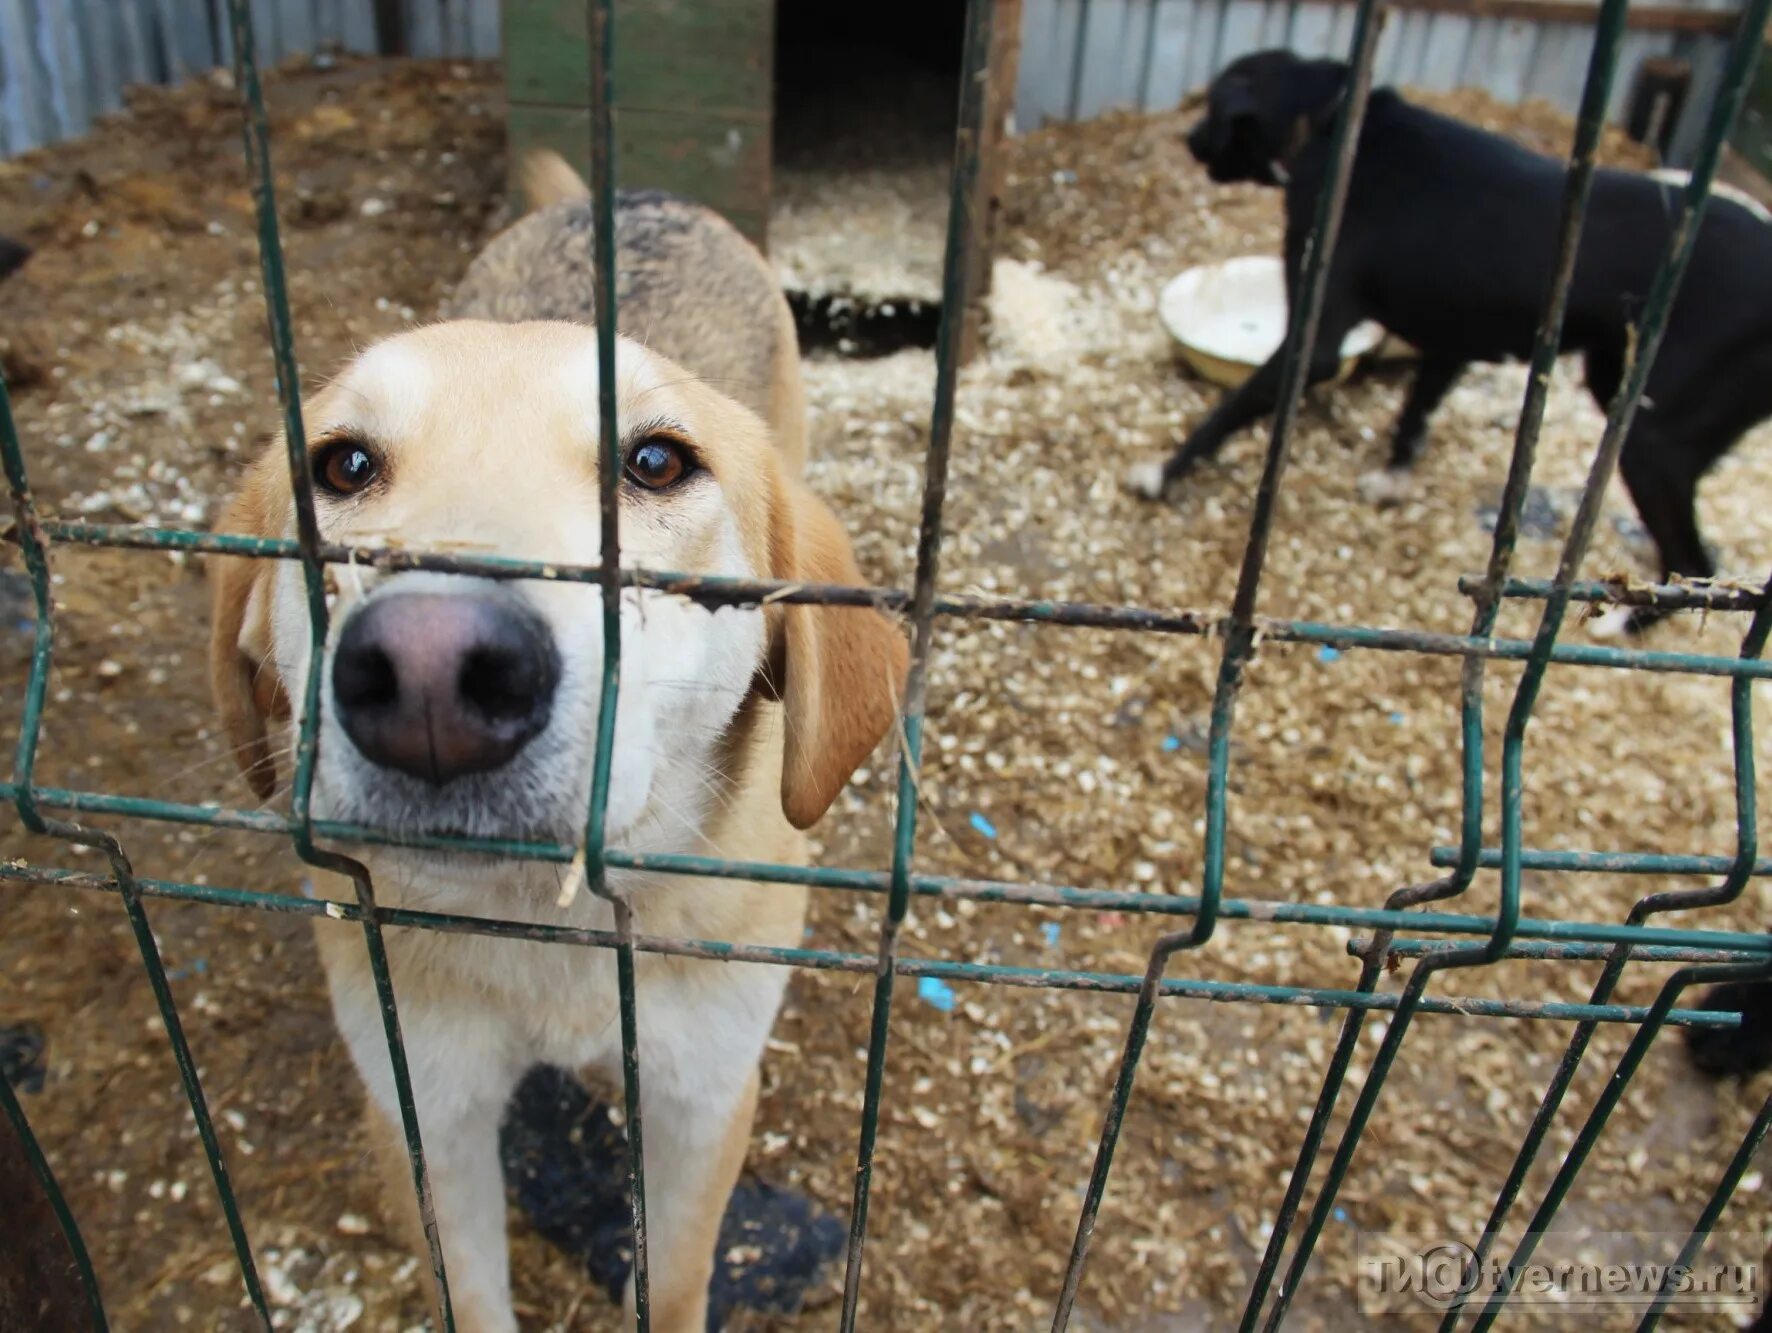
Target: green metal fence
column 1404, row 928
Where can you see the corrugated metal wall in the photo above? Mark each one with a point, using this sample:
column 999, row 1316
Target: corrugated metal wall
column 62, row 62
column 1082, row 57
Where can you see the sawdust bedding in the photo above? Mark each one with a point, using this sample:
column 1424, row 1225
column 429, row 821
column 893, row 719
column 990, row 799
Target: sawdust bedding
column 1055, row 755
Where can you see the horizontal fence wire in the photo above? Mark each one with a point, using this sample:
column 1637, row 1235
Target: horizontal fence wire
column 1397, row 931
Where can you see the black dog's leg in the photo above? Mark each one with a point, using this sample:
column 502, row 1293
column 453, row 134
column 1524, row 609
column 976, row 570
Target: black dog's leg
column 1255, row 398
column 1432, row 382
column 1433, row 378
column 1661, row 474
column 1726, row 1052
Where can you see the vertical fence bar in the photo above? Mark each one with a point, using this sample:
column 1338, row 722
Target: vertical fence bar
column 968, row 141
column 1644, row 345
column 1639, row 361
column 255, row 136
column 1602, row 1110
column 1746, row 852
column 36, row 554
column 1608, row 37
column 1301, row 336
column 600, row 25
column 58, row 1201
column 1641, row 345
column 1713, row 1209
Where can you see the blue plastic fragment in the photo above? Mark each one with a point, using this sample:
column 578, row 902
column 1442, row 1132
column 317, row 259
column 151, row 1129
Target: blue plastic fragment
column 1171, row 744
column 983, row 825
column 1397, row 719
column 1051, row 930
column 935, row 991
column 1328, row 654
column 1340, row 1214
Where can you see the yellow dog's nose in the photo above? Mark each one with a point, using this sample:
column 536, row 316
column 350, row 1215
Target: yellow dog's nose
column 440, row 685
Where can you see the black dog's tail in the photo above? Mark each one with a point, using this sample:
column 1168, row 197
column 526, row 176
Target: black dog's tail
column 13, row 255
column 1740, row 1051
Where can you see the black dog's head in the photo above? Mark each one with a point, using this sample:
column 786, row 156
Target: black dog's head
column 1260, row 111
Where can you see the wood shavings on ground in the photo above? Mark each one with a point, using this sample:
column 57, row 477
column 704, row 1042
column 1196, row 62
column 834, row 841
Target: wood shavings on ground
column 1059, row 756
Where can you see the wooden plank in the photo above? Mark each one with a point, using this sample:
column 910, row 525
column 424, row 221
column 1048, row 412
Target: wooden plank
column 58, row 45
column 1753, row 129
column 670, row 55
column 1639, row 18
column 986, row 201
column 721, row 163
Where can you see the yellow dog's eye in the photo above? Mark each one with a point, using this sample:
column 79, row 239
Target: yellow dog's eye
column 345, row 467
column 659, row 462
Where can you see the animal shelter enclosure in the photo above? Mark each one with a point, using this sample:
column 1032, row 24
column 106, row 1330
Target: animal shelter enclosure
column 1289, row 790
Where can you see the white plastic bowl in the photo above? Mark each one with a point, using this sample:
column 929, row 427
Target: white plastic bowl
column 1230, row 317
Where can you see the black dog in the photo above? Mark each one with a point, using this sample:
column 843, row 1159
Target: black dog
column 12, row 256
column 1449, row 241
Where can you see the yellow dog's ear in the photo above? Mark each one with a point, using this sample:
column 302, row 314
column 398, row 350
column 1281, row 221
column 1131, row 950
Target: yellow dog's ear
column 839, row 671
column 242, row 668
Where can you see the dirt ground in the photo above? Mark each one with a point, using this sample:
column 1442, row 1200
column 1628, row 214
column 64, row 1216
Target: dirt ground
column 135, row 340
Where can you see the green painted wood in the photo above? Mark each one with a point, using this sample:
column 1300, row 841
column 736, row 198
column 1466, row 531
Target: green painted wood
column 693, row 103
column 718, row 161
column 669, row 54
column 1753, row 132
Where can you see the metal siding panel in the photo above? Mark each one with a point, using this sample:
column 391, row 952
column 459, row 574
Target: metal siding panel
column 299, row 29
column 1240, row 33
column 1034, row 76
column 424, row 28
column 1559, row 66
column 1276, row 23
column 1205, row 37
column 357, row 26
column 1384, row 63
column 30, row 116
column 188, row 23
column 58, row 50
column 1110, row 77
column 1442, row 55
column 1341, row 35
column 1169, row 54
column 484, row 29
column 1313, row 28
column 94, row 24
column 132, row 43
column 267, row 32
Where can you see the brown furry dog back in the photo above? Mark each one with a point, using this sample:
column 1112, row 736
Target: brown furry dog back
column 685, row 279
